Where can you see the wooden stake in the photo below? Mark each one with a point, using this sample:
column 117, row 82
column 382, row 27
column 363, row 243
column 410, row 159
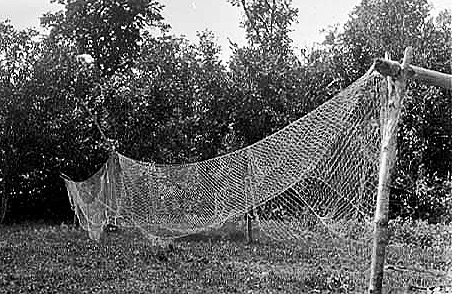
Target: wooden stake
column 249, row 228
column 249, row 196
column 390, row 121
column 3, row 204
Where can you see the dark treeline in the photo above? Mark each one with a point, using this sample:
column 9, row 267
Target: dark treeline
column 160, row 97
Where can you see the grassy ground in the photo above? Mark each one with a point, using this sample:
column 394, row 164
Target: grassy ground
column 59, row 259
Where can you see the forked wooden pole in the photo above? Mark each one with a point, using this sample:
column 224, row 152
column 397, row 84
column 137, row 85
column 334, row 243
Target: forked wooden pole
column 433, row 78
column 390, row 114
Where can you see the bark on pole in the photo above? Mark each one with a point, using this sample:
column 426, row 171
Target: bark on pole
column 390, row 115
column 427, row 76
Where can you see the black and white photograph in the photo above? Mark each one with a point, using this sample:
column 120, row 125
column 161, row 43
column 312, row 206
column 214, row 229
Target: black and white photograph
column 226, row 146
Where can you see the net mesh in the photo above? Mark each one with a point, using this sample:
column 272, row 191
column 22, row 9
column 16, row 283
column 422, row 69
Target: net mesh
column 319, row 169
column 317, row 176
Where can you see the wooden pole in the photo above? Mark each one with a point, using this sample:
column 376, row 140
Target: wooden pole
column 249, row 228
column 4, row 195
column 4, row 201
column 390, row 114
column 394, row 69
column 249, row 197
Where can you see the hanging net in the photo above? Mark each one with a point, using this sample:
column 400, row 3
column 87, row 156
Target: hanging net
column 316, row 177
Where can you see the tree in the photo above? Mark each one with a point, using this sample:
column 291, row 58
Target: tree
column 267, row 24
column 425, row 135
column 18, row 52
column 169, row 104
column 43, row 129
column 53, row 132
column 108, row 30
column 173, row 107
column 265, row 72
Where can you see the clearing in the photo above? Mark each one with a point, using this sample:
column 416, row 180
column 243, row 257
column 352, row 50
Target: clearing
column 60, row 259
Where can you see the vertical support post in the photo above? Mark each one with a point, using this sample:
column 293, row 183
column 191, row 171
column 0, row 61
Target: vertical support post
column 249, row 192
column 4, row 199
column 114, row 196
column 3, row 205
column 249, row 228
column 390, row 115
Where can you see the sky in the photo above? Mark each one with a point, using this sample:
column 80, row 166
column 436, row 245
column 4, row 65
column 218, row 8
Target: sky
column 187, row 17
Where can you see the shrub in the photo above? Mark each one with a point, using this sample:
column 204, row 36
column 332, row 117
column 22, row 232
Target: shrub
column 419, row 233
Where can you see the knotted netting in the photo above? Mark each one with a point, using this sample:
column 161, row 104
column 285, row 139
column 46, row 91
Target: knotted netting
column 318, row 175
column 319, row 169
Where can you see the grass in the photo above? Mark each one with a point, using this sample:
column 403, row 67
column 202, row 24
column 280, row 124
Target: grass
column 60, row 259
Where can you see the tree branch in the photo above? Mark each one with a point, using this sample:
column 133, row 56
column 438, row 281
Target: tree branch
column 250, row 19
column 96, row 123
column 264, row 23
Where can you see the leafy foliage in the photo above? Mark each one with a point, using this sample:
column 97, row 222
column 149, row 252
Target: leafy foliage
column 110, row 30
column 173, row 106
column 267, row 23
column 420, row 180
column 18, row 141
column 266, row 72
column 165, row 99
column 419, row 233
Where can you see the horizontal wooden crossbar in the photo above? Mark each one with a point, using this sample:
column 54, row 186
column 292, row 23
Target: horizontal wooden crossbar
column 430, row 77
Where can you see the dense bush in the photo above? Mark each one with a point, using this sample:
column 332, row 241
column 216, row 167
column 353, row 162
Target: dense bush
column 169, row 100
column 420, row 233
